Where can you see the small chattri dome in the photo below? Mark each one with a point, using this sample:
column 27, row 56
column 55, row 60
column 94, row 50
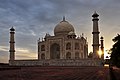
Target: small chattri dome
column 63, row 28
column 95, row 14
column 101, row 37
column 47, row 35
column 12, row 29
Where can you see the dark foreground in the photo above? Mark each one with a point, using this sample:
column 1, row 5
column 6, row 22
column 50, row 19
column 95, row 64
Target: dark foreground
column 57, row 73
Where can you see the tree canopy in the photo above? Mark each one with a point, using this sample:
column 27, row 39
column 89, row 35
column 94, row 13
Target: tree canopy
column 115, row 52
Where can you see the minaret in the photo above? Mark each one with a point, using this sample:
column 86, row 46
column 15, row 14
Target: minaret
column 102, row 47
column 95, row 35
column 39, row 49
column 12, row 44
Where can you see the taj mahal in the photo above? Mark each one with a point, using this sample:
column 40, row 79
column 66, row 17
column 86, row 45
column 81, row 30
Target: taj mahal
column 64, row 45
column 62, row 49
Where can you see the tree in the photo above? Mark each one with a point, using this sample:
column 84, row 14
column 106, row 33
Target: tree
column 115, row 52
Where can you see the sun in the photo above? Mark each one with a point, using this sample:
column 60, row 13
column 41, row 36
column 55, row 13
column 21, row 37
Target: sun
column 100, row 53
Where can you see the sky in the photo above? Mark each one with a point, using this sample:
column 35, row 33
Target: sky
column 32, row 19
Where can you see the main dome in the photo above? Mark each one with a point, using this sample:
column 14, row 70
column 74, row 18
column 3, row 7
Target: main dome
column 63, row 28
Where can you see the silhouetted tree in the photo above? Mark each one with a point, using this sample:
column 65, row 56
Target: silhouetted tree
column 115, row 51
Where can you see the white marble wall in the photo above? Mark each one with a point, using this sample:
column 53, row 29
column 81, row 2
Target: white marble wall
column 60, row 62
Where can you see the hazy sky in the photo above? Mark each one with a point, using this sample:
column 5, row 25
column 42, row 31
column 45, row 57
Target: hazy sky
column 34, row 18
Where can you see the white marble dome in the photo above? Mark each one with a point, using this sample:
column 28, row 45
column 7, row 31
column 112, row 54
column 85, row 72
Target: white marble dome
column 63, row 28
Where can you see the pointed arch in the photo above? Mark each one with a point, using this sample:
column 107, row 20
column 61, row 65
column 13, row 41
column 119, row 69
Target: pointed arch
column 77, row 46
column 68, row 46
column 55, row 51
column 77, row 56
column 42, row 47
column 42, row 56
column 68, row 55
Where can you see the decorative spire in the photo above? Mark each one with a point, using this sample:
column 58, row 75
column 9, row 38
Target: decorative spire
column 63, row 18
column 12, row 29
column 95, row 14
column 82, row 34
column 38, row 40
column 102, row 47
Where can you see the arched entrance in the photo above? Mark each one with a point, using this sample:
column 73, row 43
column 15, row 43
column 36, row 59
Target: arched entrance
column 68, row 55
column 55, row 51
column 42, row 56
column 77, row 55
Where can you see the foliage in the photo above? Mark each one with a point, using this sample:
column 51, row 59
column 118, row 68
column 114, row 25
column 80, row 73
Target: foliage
column 115, row 52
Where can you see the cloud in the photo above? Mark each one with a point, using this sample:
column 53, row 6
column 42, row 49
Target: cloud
column 22, row 53
column 4, row 54
column 26, row 56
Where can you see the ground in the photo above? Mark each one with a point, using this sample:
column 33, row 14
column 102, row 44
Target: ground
column 56, row 73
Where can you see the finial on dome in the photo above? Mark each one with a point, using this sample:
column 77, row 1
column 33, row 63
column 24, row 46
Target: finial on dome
column 95, row 12
column 63, row 18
